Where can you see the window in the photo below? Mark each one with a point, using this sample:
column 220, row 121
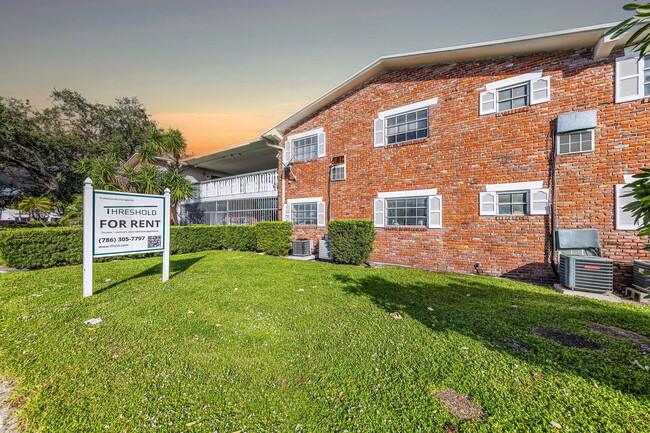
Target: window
column 575, row 142
column 632, row 77
column 513, row 97
column 304, row 146
column 518, row 198
column 305, row 211
column 515, row 92
column 305, row 214
column 417, row 208
column 513, row 203
column 402, row 124
column 408, row 126
column 338, row 172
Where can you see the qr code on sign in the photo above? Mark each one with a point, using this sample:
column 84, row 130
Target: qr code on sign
column 153, row 241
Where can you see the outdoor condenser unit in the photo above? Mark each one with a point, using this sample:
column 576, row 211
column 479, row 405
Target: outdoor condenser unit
column 302, row 247
column 324, row 249
column 640, row 278
column 586, row 273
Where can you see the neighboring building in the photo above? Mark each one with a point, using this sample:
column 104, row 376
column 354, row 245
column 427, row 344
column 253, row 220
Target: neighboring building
column 467, row 158
column 234, row 186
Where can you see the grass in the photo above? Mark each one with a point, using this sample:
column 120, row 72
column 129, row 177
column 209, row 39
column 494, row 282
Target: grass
column 238, row 341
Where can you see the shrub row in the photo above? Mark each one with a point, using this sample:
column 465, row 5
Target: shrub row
column 60, row 246
column 351, row 240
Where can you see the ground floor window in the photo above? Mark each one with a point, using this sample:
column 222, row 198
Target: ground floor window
column 305, row 214
column 230, row 212
column 410, row 211
column 513, row 203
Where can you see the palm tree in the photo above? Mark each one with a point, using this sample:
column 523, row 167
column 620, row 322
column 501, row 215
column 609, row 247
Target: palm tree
column 640, row 39
column 37, row 207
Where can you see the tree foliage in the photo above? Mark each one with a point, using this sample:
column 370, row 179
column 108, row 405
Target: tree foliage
column 639, row 23
column 37, row 207
column 40, row 150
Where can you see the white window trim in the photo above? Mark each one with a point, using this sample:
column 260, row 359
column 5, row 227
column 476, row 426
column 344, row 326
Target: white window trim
column 512, row 81
column 305, row 134
column 405, row 108
column 304, row 200
column 406, row 194
column 430, row 194
column 630, row 54
column 382, row 115
column 514, row 186
column 593, row 141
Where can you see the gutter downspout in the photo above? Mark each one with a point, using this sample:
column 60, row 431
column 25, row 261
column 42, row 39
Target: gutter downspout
column 553, row 202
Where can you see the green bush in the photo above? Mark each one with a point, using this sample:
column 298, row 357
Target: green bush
column 351, row 240
column 273, row 237
column 44, row 248
column 61, row 246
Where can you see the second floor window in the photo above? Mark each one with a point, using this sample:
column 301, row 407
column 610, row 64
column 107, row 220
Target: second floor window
column 513, row 97
column 305, row 148
column 407, row 126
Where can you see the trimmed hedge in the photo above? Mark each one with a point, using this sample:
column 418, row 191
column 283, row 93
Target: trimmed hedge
column 273, row 237
column 351, row 240
column 61, row 246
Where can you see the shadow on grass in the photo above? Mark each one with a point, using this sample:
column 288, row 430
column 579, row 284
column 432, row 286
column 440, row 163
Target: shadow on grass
column 501, row 317
column 175, row 268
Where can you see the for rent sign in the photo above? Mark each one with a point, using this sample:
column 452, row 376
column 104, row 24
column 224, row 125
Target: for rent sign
column 117, row 223
column 128, row 223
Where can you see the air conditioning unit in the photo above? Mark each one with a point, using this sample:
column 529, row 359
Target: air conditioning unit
column 586, row 273
column 325, row 249
column 641, row 275
column 302, row 247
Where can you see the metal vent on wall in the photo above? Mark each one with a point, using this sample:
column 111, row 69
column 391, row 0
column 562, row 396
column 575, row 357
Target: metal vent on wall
column 586, row 273
column 640, row 278
column 301, row 247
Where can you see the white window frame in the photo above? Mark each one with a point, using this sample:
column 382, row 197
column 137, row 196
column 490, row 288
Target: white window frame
column 593, row 141
column 434, row 206
column 539, row 91
column 379, row 123
column 321, row 143
column 619, row 191
column 287, row 210
column 638, row 65
column 334, row 166
column 489, row 199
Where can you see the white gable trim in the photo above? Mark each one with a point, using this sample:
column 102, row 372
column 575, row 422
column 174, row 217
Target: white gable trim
column 305, row 134
column 409, row 107
column 304, row 200
column 411, row 193
column 514, row 186
column 513, row 80
column 627, row 178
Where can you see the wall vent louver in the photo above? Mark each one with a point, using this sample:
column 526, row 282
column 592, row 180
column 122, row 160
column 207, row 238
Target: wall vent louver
column 640, row 276
column 586, row 273
column 302, row 247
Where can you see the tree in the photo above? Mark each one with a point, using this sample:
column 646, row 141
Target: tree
column 40, row 150
column 37, row 207
column 73, row 213
column 640, row 23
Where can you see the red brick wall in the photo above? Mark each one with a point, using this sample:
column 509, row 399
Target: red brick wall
column 465, row 151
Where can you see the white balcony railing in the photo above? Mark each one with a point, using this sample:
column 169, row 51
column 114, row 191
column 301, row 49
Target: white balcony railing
column 259, row 184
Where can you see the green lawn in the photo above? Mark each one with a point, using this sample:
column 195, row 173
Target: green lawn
column 239, row 341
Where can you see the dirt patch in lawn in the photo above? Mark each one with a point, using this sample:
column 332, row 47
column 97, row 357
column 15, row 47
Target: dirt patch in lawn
column 8, row 423
column 620, row 333
column 459, row 404
column 566, row 339
column 643, row 348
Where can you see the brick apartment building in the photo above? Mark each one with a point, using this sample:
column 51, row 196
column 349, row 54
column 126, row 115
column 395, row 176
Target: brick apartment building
column 468, row 158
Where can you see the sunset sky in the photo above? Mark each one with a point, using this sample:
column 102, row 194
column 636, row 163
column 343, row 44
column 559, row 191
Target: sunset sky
column 225, row 71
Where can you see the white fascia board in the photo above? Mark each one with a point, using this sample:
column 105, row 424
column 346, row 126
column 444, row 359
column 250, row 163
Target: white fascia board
column 410, row 193
column 304, row 200
column 514, row 186
column 305, row 134
column 409, row 107
column 627, row 178
column 513, row 80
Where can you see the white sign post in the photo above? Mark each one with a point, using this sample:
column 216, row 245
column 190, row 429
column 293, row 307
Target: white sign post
column 118, row 223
